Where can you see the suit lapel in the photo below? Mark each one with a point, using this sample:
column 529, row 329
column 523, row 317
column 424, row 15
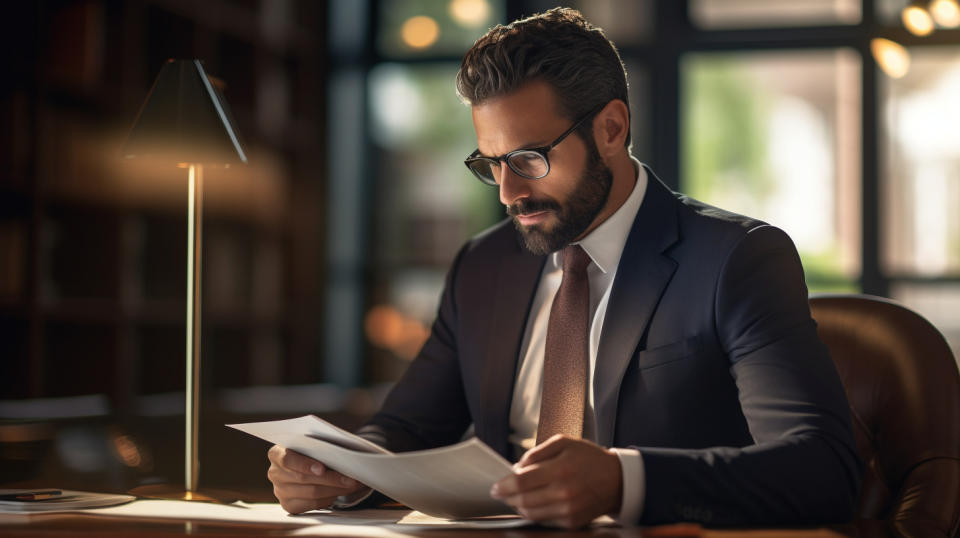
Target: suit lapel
column 517, row 279
column 642, row 276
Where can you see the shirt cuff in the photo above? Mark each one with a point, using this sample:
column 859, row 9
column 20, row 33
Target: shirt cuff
column 634, row 485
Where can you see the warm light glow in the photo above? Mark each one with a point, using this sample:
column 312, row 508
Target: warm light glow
column 388, row 328
column 420, row 32
column 469, row 13
column 946, row 13
column 891, row 57
column 127, row 451
column 917, row 20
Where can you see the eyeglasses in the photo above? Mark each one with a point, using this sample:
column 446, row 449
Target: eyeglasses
column 531, row 163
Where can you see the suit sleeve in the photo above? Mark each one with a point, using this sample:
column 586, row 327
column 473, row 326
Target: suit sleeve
column 803, row 466
column 427, row 407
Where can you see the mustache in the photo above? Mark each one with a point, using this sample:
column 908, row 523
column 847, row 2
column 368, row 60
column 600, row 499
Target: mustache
column 527, row 207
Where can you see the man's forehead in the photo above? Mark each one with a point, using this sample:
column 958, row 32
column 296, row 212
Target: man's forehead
column 528, row 116
column 536, row 94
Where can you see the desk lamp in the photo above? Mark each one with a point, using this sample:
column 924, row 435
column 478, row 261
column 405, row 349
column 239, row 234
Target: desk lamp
column 185, row 121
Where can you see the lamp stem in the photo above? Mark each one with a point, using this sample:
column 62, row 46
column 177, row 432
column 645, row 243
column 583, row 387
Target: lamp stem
column 194, row 255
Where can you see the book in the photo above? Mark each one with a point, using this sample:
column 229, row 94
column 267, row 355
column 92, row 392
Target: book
column 449, row 482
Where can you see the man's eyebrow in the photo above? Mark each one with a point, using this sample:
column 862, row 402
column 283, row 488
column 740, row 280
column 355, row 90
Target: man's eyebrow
column 524, row 146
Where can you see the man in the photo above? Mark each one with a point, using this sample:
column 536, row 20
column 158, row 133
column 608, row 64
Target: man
column 611, row 312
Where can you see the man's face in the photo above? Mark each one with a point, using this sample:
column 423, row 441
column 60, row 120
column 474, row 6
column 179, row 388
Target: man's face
column 559, row 208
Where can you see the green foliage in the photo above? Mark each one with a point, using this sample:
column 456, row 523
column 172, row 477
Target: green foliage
column 824, row 273
column 723, row 135
column 725, row 154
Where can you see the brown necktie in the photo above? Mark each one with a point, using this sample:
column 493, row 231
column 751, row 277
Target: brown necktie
column 565, row 355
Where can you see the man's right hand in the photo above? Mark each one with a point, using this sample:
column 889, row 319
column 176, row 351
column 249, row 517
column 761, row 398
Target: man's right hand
column 302, row 484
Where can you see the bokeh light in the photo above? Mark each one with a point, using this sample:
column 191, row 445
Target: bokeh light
column 917, row 20
column 946, row 13
column 420, row 32
column 891, row 57
column 469, row 13
column 389, row 329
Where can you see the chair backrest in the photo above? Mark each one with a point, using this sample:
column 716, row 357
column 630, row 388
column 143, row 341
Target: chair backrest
column 904, row 390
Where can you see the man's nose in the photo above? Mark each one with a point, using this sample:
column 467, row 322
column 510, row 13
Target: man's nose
column 512, row 186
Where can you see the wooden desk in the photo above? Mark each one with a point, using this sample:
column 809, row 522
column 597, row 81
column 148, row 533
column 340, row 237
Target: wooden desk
column 95, row 525
column 84, row 526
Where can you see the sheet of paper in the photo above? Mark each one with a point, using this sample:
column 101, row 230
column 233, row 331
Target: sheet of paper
column 450, row 482
column 493, row 522
column 309, row 425
column 411, row 518
column 372, row 522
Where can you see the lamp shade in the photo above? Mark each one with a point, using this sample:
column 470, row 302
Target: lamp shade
column 185, row 119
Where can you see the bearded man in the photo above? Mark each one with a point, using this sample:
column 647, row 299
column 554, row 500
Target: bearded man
column 637, row 353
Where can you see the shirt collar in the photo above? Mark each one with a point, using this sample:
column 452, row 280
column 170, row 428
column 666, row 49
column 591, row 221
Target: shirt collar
column 605, row 243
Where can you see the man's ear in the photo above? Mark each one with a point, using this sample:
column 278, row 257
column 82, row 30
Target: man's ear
column 610, row 127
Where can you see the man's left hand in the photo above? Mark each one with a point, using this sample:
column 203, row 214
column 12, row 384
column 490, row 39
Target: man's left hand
column 565, row 482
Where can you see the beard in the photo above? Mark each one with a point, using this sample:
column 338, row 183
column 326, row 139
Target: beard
column 574, row 216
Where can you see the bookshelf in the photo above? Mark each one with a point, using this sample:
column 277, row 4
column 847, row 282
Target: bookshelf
column 92, row 249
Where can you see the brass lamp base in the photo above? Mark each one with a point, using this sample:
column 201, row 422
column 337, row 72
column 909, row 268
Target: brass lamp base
column 171, row 492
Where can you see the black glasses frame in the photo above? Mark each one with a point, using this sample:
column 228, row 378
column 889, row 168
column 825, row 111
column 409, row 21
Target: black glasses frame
column 542, row 151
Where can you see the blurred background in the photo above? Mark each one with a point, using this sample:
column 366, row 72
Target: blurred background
column 324, row 256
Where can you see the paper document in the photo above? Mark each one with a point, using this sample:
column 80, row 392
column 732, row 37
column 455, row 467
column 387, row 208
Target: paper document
column 370, row 523
column 452, row 481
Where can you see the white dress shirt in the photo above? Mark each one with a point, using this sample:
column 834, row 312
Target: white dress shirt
column 604, row 245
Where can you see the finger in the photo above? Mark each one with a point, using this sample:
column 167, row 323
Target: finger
column 308, row 491
column 540, row 497
column 294, row 461
column 299, row 506
column 544, row 451
column 549, row 514
column 529, row 478
column 305, row 469
column 329, row 477
column 557, row 515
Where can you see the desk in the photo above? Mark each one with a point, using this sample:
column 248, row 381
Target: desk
column 261, row 516
column 83, row 526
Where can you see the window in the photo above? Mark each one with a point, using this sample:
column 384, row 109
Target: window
column 921, row 186
column 415, row 28
column 715, row 14
column 771, row 109
column 775, row 135
column 425, row 201
column 401, row 201
column 921, row 167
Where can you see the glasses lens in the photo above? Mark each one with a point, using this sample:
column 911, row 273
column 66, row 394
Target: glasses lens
column 529, row 164
column 485, row 169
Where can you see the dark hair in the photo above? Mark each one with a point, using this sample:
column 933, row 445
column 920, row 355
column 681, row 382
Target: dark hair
column 558, row 47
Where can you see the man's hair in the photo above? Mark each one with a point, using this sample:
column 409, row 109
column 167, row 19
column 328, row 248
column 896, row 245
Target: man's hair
column 558, row 47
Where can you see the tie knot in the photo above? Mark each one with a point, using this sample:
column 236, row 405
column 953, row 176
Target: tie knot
column 575, row 259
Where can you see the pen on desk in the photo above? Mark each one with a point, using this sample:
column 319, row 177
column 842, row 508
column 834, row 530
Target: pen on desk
column 37, row 495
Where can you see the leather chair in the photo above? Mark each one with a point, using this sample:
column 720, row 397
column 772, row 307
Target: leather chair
column 904, row 390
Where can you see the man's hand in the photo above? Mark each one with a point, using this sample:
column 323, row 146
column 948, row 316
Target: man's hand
column 565, row 482
column 302, row 484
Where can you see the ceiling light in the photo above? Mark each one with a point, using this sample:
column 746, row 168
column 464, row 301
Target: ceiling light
column 891, row 57
column 917, row 19
column 946, row 13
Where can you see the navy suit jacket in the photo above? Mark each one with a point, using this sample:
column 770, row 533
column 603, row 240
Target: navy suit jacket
column 709, row 363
